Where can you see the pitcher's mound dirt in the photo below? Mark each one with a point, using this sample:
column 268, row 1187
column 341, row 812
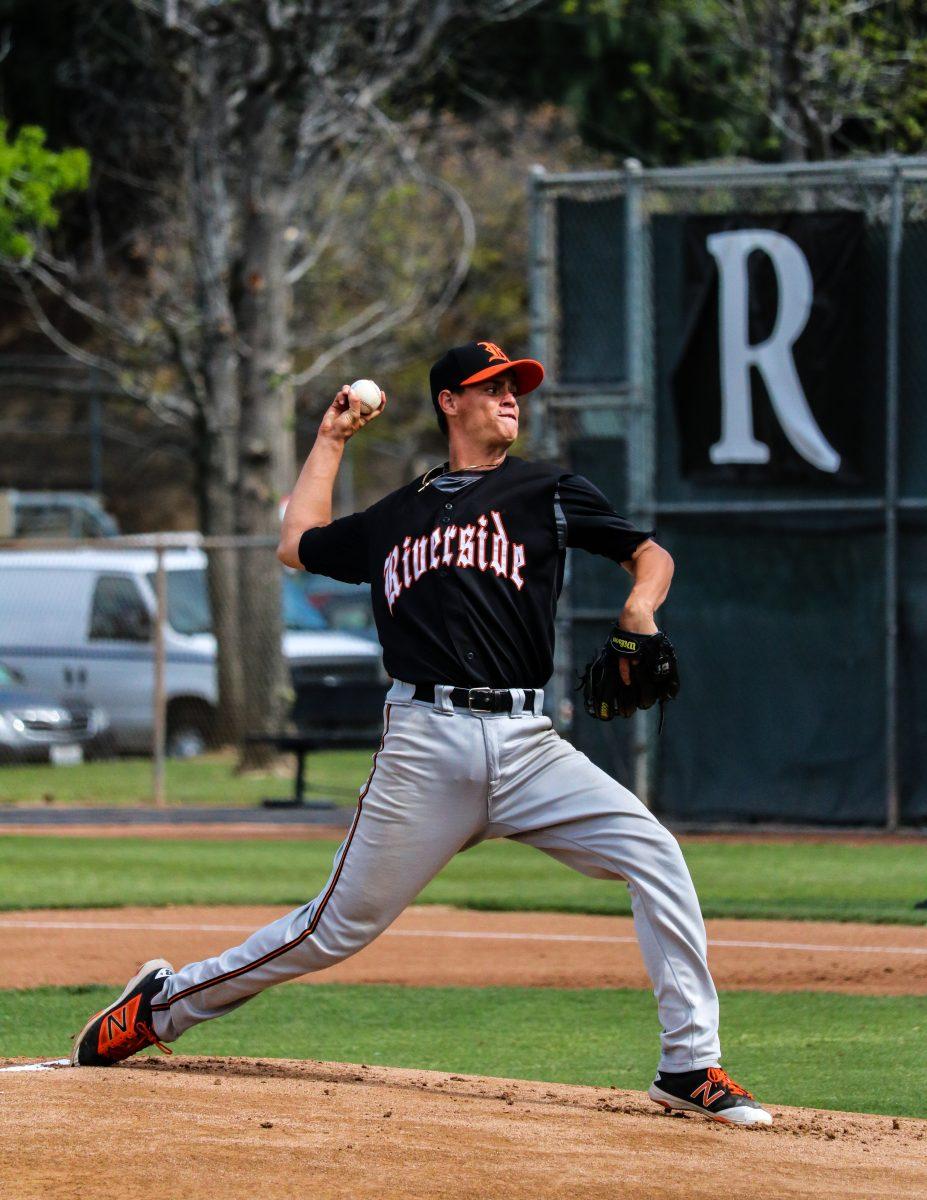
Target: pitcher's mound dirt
column 205, row 1127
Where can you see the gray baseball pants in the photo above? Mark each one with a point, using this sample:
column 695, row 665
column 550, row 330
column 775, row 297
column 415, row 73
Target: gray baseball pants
column 445, row 779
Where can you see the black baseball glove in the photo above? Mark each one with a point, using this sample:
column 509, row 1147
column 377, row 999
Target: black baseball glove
column 654, row 675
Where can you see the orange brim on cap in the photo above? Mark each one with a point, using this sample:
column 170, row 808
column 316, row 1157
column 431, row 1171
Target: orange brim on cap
column 528, row 374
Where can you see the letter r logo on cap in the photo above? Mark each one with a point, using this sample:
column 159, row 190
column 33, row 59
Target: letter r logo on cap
column 495, row 354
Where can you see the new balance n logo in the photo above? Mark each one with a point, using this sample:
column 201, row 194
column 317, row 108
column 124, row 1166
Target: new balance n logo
column 704, row 1090
column 116, row 1022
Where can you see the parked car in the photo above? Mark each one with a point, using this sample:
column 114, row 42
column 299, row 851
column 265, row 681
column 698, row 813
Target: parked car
column 344, row 606
column 54, row 514
column 37, row 727
column 81, row 622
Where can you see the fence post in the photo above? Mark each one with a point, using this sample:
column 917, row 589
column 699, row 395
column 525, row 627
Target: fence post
column 541, row 429
column 639, row 426
column 96, row 435
column 539, row 332
column 160, row 708
column 892, row 805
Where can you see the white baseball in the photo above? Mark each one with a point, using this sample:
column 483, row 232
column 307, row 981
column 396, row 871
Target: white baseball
column 369, row 394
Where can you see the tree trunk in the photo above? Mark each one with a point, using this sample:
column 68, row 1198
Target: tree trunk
column 784, row 105
column 266, row 458
column 218, row 368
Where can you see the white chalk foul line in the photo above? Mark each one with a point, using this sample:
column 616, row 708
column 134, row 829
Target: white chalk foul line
column 40, row 1066
column 4, row 924
column 476, row 935
column 581, row 937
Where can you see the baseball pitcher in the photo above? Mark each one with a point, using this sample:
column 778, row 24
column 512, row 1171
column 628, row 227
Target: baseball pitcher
column 466, row 566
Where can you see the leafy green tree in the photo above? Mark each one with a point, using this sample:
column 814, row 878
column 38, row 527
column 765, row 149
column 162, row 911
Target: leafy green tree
column 644, row 78
column 671, row 81
column 828, row 77
column 32, row 178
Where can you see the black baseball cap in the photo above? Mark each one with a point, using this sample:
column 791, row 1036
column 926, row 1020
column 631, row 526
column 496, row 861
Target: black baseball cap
column 476, row 361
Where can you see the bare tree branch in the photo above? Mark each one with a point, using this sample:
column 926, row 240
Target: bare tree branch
column 53, row 333
column 185, row 359
column 327, row 232
column 103, row 320
column 168, row 11
column 468, row 226
column 169, row 408
column 361, row 337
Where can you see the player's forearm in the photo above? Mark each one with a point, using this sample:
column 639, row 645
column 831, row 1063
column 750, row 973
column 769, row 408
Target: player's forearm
column 652, row 568
column 310, row 503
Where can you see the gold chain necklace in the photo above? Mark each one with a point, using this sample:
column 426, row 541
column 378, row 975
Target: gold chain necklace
column 479, row 467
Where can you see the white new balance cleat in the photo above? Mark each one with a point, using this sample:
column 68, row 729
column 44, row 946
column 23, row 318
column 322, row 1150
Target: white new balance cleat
column 710, row 1091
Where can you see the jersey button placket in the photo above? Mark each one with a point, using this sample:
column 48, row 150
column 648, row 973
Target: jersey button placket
column 451, row 597
column 445, row 519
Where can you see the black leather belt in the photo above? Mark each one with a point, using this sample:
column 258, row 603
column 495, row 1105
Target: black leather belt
column 480, row 699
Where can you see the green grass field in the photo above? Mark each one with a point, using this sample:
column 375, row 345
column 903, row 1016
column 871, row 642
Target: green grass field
column 814, row 1049
column 208, row 780
column 806, row 881
column 824, row 1051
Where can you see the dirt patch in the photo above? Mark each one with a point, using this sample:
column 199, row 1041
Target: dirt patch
column 202, row 1128
column 442, row 946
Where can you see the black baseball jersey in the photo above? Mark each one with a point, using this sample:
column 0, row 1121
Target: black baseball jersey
column 466, row 568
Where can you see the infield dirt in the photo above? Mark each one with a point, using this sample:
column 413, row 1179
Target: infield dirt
column 202, row 1127
column 439, row 946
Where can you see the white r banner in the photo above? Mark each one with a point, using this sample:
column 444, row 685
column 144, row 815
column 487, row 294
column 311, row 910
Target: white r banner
column 772, row 358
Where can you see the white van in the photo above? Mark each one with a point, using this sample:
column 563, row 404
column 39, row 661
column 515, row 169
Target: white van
column 78, row 623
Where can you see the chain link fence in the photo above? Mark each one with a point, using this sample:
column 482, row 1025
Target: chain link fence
column 799, row 607
column 177, row 646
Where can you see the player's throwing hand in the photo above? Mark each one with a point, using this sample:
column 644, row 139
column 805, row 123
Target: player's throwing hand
column 345, row 416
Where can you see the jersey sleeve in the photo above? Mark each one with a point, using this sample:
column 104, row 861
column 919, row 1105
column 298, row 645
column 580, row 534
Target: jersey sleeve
column 338, row 550
column 586, row 520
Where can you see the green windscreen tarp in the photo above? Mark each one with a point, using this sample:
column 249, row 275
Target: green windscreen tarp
column 781, row 716
column 912, row 549
column 779, row 619
column 590, row 254
column 912, row 669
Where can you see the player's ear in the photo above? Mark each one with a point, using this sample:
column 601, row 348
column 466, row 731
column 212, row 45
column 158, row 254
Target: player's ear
column 447, row 401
